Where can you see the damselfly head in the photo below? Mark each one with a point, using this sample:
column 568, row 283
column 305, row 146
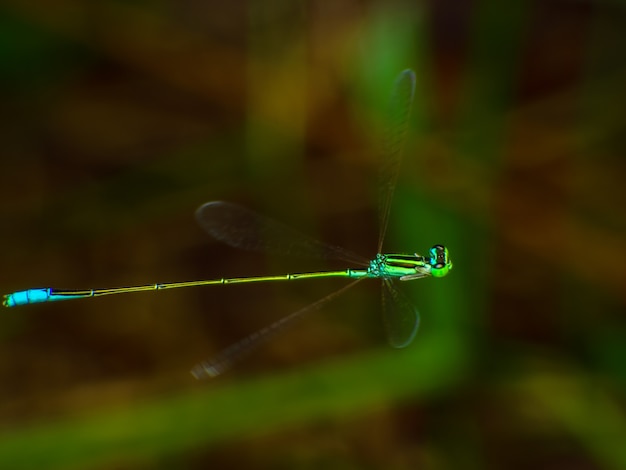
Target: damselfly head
column 440, row 263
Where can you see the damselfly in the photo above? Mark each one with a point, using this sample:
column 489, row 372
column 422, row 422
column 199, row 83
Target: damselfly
column 242, row 228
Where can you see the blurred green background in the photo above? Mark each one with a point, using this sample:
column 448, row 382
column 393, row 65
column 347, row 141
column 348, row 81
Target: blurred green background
column 119, row 118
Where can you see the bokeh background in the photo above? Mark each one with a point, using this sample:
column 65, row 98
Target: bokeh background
column 119, row 118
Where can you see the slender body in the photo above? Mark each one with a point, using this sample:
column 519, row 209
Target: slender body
column 385, row 266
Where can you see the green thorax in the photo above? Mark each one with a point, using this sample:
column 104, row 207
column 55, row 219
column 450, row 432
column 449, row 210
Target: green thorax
column 411, row 266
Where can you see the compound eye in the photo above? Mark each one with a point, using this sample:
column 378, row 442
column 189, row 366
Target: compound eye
column 439, row 261
column 438, row 254
column 440, row 269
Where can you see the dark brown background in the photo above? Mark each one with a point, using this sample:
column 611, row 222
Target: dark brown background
column 120, row 118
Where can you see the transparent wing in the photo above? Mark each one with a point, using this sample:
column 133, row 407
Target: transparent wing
column 227, row 357
column 393, row 145
column 242, row 228
column 400, row 316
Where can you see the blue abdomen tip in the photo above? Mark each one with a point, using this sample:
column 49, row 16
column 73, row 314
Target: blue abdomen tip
column 30, row 296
